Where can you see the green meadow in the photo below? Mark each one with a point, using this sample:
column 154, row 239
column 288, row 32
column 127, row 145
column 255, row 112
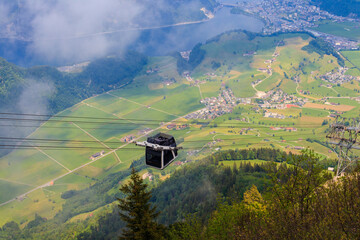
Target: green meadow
column 345, row 29
column 104, row 120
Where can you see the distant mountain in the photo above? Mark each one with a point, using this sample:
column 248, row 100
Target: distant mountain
column 343, row 8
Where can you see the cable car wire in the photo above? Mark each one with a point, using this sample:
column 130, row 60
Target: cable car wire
column 141, row 121
column 50, row 147
column 75, row 141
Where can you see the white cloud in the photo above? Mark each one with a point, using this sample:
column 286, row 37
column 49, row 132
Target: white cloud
column 76, row 30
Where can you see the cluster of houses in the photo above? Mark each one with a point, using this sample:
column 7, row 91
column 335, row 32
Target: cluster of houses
column 339, row 43
column 131, row 137
column 210, row 74
column 338, row 77
column 265, row 70
column 128, row 138
column 249, row 54
column 96, row 155
column 268, row 114
column 144, row 131
column 152, row 70
column 278, row 99
column 185, row 55
column 290, row 129
column 296, row 15
column 218, row 106
column 174, row 126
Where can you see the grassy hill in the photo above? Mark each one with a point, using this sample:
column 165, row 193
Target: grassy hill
column 160, row 95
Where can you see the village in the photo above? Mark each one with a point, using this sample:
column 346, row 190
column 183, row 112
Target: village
column 278, row 99
column 297, row 15
column 338, row 77
column 218, row 106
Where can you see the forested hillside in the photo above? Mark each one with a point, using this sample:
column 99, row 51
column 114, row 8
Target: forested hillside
column 45, row 90
column 207, row 200
column 340, row 7
column 11, row 79
column 193, row 189
column 68, row 88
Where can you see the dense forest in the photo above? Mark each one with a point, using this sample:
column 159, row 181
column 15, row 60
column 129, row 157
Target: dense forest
column 286, row 197
column 192, row 189
column 196, row 56
column 343, row 8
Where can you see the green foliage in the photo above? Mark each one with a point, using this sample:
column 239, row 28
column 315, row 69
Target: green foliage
column 289, row 200
column 36, row 222
column 321, row 47
column 68, row 194
column 111, row 72
column 136, row 210
column 194, row 189
column 267, row 154
column 302, row 203
column 340, row 7
column 11, row 231
column 191, row 228
column 10, row 82
column 69, row 89
column 215, row 65
column 196, row 57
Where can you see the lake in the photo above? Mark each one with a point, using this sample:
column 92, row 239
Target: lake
column 152, row 42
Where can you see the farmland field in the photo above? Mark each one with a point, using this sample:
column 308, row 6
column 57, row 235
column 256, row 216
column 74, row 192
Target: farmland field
column 353, row 57
column 108, row 122
column 346, row 29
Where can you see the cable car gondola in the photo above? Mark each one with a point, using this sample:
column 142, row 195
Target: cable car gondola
column 161, row 150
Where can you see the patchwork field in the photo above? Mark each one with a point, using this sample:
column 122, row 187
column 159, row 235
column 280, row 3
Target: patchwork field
column 148, row 105
column 353, row 57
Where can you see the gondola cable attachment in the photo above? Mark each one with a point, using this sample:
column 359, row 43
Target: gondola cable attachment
column 161, row 150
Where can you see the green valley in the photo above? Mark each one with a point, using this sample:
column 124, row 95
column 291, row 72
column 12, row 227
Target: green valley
column 242, row 91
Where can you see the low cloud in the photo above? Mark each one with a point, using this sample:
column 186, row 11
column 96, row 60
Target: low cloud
column 73, row 31
column 34, row 98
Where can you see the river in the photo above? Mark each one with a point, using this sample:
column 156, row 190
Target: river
column 153, row 42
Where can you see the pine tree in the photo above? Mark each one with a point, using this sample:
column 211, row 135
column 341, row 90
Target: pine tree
column 137, row 212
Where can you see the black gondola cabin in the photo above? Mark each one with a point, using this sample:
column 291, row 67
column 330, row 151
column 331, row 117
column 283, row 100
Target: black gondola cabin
column 161, row 157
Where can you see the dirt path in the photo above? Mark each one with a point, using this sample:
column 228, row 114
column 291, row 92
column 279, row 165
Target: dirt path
column 260, row 94
column 52, row 158
column 16, row 182
column 106, row 146
column 86, row 164
column 128, row 100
